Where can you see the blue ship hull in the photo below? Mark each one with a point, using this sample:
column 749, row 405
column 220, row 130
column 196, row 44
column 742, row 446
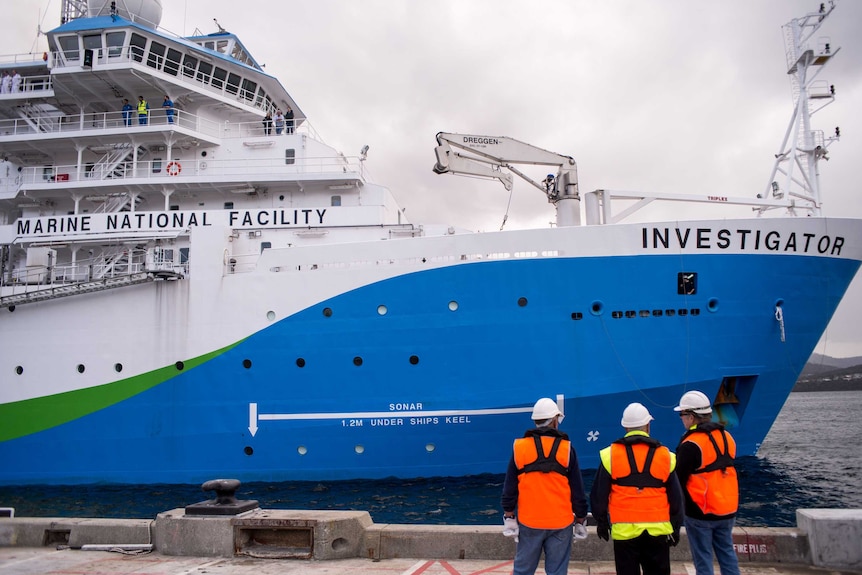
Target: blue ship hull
column 343, row 390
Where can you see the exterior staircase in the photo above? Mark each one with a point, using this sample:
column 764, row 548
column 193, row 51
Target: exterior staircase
column 78, row 288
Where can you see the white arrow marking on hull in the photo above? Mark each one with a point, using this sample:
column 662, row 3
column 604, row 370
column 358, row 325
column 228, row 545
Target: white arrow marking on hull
column 252, row 418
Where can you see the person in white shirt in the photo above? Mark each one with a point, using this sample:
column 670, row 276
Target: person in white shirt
column 16, row 81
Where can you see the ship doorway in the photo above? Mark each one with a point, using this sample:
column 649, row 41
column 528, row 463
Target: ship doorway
column 731, row 399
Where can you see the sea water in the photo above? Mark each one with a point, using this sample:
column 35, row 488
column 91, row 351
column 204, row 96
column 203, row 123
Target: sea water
column 811, row 458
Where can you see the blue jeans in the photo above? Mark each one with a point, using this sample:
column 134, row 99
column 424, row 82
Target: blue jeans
column 704, row 537
column 557, row 544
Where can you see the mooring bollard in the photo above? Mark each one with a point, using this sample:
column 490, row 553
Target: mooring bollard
column 225, row 502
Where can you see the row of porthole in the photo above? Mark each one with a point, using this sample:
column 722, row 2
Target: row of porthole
column 246, row 363
column 357, row 361
column 118, row 367
column 596, row 308
column 81, row 368
column 358, row 449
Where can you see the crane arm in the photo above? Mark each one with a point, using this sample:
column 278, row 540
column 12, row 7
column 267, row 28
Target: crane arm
column 486, row 156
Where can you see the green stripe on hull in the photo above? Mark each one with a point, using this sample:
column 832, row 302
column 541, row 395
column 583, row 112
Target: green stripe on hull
column 21, row 418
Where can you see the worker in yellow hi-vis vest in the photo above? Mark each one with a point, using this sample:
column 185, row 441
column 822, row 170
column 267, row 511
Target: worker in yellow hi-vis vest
column 143, row 111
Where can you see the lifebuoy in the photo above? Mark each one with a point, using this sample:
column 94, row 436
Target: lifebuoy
column 174, row 168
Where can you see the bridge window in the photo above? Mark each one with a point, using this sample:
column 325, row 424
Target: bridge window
column 93, row 42
column 290, row 156
column 69, row 46
column 233, row 83
column 219, row 76
column 190, row 63
column 115, row 40
column 157, row 55
column 248, row 89
column 172, row 62
column 137, row 46
column 205, row 69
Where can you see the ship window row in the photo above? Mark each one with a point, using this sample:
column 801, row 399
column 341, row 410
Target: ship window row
column 112, row 47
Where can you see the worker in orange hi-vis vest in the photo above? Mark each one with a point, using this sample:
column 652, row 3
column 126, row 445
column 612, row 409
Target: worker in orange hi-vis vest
column 705, row 467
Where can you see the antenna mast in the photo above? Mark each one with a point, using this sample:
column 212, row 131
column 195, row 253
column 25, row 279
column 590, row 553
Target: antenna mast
column 802, row 148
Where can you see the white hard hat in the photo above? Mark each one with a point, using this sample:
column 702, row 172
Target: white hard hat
column 545, row 408
column 635, row 415
column 695, row 402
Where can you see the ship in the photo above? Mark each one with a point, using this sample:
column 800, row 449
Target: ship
column 195, row 285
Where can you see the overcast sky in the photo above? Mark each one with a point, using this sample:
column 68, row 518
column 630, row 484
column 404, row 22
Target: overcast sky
column 679, row 96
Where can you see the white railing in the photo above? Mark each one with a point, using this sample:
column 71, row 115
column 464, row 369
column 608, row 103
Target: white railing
column 54, row 123
column 28, row 58
column 249, row 169
column 38, row 122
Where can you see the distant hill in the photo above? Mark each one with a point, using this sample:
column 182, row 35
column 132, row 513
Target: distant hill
column 824, row 373
column 821, row 364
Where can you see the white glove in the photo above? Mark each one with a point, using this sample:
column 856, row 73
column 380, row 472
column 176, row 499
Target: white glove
column 510, row 527
column 579, row 532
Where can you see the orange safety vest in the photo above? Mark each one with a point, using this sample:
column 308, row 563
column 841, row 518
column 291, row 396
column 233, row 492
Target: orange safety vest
column 640, row 467
column 544, row 495
column 713, row 486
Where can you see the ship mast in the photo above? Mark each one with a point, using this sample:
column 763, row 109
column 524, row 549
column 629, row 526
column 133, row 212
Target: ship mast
column 795, row 175
column 72, row 9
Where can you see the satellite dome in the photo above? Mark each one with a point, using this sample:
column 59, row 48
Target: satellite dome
column 144, row 12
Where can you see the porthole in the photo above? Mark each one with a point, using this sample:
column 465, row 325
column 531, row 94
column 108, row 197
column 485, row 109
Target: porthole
column 381, row 310
column 597, row 307
column 281, row 198
column 360, row 449
column 248, row 450
column 118, row 367
column 694, row 311
column 630, row 313
column 577, row 315
column 522, row 301
column 180, row 366
column 19, row 370
column 246, row 363
column 204, row 154
column 270, row 315
column 357, row 361
column 670, row 312
column 430, row 447
column 616, row 314
column 712, row 304
column 644, row 313
column 327, row 312
column 453, row 305
column 414, row 359
column 300, row 362
column 11, row 308
column 81, row 368
column 302, row 450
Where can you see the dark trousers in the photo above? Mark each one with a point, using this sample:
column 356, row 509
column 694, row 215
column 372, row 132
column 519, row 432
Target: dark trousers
column 651, row 553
